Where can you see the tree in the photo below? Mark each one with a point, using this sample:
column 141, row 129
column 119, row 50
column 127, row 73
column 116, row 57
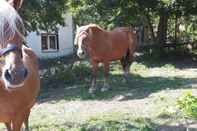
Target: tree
column 107, row 13
column 113, row 13
column 165, row 10
column 43, row 14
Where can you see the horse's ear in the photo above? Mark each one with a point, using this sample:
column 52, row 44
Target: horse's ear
column 77, row 26
column 16, row 3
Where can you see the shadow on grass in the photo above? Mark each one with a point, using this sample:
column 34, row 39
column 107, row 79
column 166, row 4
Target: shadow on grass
column 178, row 58
column 138, row 87
column 72, row 83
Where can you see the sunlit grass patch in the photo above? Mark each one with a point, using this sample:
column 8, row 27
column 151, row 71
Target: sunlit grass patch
column 148, row 99
column 117, row 121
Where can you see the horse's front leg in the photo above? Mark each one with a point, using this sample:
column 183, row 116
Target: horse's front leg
column 93, row 88
column 8, row 126
column 106, row 86
column 26, row 122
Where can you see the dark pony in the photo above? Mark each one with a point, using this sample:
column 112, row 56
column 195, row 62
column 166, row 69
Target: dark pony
column 105, row 46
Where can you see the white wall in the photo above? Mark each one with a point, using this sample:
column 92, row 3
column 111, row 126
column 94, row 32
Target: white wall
column 65, row 41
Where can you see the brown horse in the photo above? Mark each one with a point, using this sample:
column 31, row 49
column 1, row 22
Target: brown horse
column 20, row 82
column 105, row 46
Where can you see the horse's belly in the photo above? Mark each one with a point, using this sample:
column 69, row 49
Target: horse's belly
column 110, row 55
column 4, row 119
column 116, row 55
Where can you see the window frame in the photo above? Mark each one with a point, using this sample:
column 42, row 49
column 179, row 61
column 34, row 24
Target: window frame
column 48, row 35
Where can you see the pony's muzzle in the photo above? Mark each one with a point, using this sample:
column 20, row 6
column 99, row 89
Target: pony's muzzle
column 15, row 76
column 81, row 53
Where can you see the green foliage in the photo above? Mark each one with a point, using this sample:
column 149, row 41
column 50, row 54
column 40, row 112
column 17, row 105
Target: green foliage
column 43, row 14
column 117, row 122
column 105, row 13
column 66, row 75
column 113, row 13
column 81, row 70
column 188, row 104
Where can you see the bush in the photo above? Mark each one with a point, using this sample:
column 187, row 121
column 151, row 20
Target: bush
column 62, row 74
column 188, row 104
column 81, row 70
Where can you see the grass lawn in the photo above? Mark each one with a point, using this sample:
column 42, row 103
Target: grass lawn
column 146, row 103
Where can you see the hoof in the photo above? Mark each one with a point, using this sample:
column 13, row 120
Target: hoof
column 105, row 88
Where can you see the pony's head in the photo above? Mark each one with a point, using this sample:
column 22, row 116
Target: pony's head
column 84, row 35
column 14, row 73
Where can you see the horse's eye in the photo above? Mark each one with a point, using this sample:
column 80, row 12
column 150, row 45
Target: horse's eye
column 75, row 46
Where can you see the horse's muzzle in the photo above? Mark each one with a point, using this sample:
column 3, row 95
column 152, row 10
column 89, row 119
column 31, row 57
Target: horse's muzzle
column 15, row 77
column 81, row 54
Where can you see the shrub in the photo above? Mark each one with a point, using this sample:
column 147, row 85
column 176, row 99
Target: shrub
column 62, row 74
column 188, row 104
column 81, row 71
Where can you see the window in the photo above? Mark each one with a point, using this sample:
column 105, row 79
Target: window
column 49, row 42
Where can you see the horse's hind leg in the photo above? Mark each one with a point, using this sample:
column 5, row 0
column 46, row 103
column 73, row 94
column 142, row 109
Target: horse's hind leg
column 126, row 62
column 92, row 89
column 106, row 72
column 125, row 68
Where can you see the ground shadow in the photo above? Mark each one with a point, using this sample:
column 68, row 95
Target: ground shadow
column 138, row 87
column 73, row 83
column 180, row 59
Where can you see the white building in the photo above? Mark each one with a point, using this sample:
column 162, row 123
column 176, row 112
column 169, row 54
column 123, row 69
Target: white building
column 51, row 45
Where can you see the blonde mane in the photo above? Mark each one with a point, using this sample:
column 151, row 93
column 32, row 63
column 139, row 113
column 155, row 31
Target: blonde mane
column 10, row 23
column 84, row 28
column 95, row 25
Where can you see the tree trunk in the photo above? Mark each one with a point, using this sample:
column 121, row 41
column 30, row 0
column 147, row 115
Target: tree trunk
column 151, row 27
column 162, row 28
column 177, row 31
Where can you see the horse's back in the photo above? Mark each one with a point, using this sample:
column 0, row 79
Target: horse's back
column 125, row 36
column 116, row 43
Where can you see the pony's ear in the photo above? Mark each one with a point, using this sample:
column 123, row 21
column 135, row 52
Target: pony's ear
column 77, row 27
column 15, row 3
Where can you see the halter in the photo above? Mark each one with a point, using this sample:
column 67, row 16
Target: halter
column 8, row 49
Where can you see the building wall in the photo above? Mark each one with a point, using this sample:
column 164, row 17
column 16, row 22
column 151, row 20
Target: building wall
column 65, row 35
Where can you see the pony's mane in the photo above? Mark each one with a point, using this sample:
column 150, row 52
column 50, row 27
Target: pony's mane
column 10, row 23
column 95, row 25
column 84, row 28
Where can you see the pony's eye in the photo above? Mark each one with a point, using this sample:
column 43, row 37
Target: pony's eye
column 76, row 45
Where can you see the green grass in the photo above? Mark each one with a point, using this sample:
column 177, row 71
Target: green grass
column 149, row 102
